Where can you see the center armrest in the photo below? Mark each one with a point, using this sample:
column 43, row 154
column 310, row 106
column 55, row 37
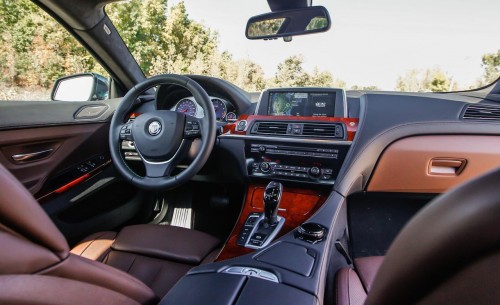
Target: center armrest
column 166, row 242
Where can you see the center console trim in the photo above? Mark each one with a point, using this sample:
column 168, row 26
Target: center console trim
column 250, row 271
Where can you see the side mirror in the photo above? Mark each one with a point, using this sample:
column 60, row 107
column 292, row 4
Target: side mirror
column 80, row 88
column 307, row 20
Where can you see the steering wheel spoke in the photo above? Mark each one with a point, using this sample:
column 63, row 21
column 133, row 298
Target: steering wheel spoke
column 158, row 169
column 192, row 128
column 165, row 168
column 126, row 132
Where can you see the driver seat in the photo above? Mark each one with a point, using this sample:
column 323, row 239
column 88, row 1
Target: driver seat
column 140, row 263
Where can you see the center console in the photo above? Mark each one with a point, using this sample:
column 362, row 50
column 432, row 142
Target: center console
column 298, row 137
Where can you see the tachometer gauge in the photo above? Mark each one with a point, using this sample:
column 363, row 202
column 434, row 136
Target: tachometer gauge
column 231, row 117
column 186, row 106
column 220, row 108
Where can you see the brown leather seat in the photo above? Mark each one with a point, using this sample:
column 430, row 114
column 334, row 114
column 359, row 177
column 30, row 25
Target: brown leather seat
column 353, row 284
column 444, row 255
column 34, row 255
column 157, row 255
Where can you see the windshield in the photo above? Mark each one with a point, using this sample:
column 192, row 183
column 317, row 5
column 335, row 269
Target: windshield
column 416, row 46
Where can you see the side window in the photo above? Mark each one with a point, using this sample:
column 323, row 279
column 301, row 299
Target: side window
column 41, row 61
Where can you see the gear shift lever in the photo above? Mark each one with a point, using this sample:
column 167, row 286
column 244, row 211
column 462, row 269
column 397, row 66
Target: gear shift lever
column 272, row 198
column 260, row 229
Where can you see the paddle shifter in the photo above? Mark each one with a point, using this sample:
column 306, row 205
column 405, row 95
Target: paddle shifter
column 272, row 198
column 261, row 228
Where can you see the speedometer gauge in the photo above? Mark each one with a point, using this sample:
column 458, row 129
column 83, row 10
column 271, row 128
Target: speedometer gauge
column 186, row 106
column 220, row 108
column 231, row 117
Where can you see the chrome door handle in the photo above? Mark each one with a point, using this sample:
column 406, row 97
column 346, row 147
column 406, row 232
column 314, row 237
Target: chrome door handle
column 32, row 156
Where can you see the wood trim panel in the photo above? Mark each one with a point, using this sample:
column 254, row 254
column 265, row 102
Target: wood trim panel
column 297, row 205
column 351, row 123
column 405, row 165
column 70, row 184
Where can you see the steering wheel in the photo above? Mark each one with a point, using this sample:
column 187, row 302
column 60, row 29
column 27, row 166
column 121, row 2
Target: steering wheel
column 162, row 138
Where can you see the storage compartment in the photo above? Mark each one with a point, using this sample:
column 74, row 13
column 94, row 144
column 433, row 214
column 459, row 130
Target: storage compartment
column 291, row 257
column 375, row 219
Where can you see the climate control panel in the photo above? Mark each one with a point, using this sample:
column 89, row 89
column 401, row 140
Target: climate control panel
column 291, row 171
column 307, row 163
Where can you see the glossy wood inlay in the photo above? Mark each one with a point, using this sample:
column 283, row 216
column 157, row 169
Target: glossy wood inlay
column 350, row 123
column 297, row 205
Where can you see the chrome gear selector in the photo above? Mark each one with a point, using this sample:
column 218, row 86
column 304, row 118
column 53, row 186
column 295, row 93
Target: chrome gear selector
column 261, row 228
column 272, row 198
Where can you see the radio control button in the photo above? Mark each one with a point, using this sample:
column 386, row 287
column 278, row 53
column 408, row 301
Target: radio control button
column 314, row 171
column 265, row 167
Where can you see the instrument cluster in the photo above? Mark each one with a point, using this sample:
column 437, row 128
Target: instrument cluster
column 224, row 111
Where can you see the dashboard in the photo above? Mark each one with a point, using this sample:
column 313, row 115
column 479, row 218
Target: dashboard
column 224, row 110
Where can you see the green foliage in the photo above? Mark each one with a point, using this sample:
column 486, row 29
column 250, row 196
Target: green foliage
column 491, row 66
column 365, row 88
column 430, row 80
column 265, row 27
column 290, row 73
column 34, row 49
column 317, row 23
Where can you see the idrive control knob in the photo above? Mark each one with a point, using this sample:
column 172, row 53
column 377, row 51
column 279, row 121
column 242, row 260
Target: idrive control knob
column 311, row 232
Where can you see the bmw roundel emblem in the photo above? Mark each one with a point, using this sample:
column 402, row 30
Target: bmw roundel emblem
column 154, row 128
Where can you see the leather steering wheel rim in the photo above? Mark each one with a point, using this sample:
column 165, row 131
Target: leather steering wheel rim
column 207, row 132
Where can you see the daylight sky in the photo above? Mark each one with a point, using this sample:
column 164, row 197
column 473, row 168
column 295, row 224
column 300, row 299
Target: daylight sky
column 371, row 42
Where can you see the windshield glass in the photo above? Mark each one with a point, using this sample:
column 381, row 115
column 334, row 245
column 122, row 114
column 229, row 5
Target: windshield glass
column 416, row 46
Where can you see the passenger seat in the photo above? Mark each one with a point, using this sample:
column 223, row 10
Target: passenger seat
column 353, row 284
column 448, row 253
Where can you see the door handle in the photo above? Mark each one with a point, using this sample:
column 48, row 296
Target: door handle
column 32, row 156
column 446, row 166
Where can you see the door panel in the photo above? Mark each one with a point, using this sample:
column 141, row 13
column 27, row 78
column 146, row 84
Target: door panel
column 65, row 145
column 64, row 162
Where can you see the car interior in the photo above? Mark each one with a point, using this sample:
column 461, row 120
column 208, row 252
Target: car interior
column 186, row 189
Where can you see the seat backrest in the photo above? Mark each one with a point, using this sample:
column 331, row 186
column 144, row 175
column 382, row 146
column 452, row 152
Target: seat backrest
column 448, row 253
column 21, row 214
column 31, row 244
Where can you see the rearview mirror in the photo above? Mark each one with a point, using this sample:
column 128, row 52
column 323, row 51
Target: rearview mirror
column 295, row 22
column 80, row 88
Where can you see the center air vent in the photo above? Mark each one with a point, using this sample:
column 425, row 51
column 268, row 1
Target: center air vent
column 322, row 130
column 313, row 130
column 271, row 128
column 482, row 112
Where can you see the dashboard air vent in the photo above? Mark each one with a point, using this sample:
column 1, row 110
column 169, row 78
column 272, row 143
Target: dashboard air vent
column 322, row 130
column 482, row 112
column 270, row 128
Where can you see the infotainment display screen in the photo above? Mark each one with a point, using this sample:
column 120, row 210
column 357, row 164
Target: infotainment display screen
column 312, row 104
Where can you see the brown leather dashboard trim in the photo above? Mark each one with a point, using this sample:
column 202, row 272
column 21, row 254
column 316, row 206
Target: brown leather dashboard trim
column 405, row 164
